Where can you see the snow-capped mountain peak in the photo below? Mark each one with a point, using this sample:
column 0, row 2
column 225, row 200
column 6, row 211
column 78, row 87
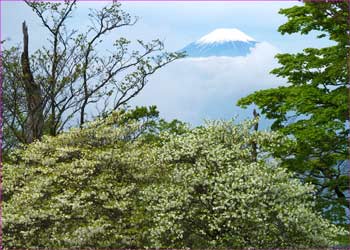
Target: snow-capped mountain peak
column 225, row 35
column 221, row 42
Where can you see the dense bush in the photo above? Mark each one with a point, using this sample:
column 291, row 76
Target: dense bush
column 216, row 196
column 131, row 180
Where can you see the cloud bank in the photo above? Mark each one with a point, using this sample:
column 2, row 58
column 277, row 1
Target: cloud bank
column 195, row 89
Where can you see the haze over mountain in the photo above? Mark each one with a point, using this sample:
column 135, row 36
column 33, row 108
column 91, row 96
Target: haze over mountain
column 208, row 86
column 221, row 67
column 221, row 42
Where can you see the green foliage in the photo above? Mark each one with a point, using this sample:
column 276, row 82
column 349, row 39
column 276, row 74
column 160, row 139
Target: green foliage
column 312, row 108
column 110, row 184
column 13, row 94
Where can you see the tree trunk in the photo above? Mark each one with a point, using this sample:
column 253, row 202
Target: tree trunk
column 254, row 144
column 35, row 120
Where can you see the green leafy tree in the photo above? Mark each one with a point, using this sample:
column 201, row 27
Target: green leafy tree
column 312, row 108
column 133, row 180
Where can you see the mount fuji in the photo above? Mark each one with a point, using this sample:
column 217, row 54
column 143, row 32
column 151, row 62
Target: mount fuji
column 221, row 42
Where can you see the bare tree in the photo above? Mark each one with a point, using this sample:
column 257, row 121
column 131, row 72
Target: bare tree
column 63, row 80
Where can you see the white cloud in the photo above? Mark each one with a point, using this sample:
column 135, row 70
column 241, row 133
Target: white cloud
column 193, row 89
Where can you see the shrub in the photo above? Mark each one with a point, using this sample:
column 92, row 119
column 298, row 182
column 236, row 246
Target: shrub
column 132, row 183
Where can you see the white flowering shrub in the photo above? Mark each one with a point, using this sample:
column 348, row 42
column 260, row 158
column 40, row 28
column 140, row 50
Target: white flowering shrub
column 118, row 183
column 216, row 196
column 79, row 188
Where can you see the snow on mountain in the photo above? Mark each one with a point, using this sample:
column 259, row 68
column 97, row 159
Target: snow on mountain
column 221, row 42
column 225, row 35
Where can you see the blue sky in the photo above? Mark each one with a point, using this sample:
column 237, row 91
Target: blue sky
column 179, row 23
column 190, row 90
